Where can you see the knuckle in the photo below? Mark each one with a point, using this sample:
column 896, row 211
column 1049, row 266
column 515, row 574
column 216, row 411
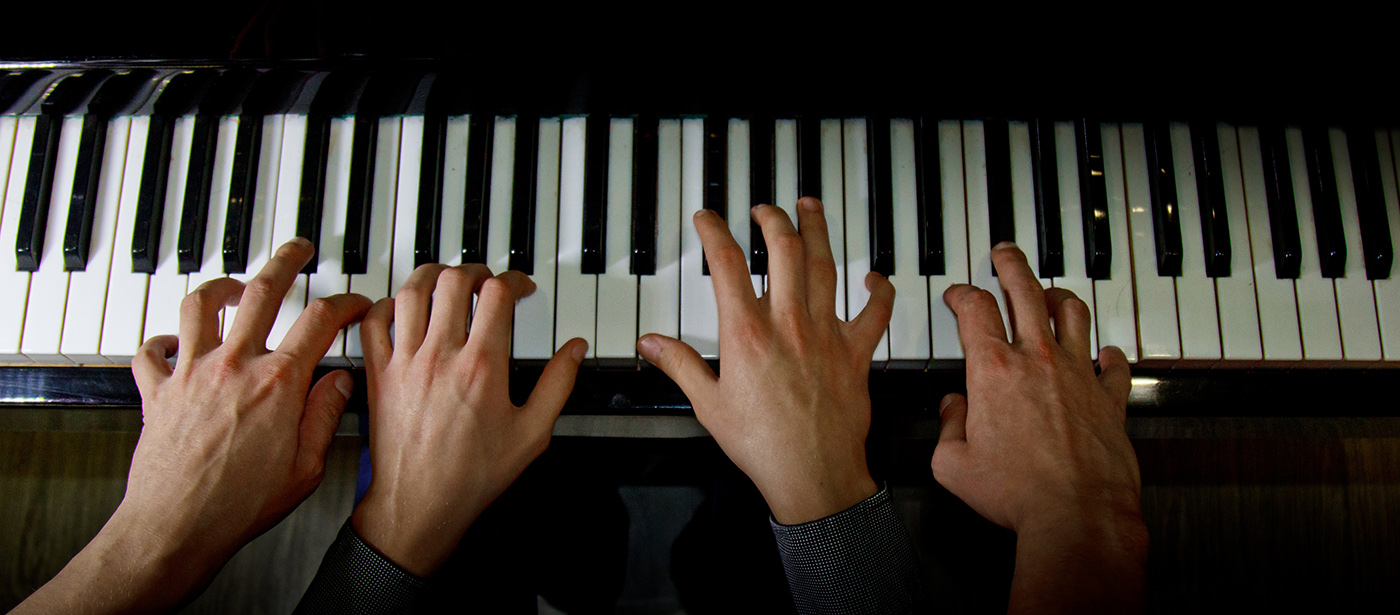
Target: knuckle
column 320, row 310
column 260, row 289
column 786, row 243
column 730, row 255
column 1075, row 307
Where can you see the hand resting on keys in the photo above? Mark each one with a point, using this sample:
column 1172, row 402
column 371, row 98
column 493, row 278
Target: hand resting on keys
column 791, row 408
column 1038, row 445
column 445, row 439
column 231, row 442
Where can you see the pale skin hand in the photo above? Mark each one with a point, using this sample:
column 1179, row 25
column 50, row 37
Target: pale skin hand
column 792, row 406
column 445, row 439
column 1038, row 445
column 231, row 442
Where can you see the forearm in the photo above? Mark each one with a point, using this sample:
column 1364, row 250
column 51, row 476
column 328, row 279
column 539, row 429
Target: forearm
column 1080, row 564
column 127, row 567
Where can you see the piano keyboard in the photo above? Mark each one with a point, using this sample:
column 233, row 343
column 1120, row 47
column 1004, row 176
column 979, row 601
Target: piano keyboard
column 1193, row 243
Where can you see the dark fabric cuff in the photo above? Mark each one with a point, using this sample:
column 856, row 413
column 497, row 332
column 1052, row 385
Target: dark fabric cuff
column 354, row 578
column 859, row 560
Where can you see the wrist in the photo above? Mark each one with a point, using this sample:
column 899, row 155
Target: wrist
column 417, row 539
column 1111, row 530
column 794, row 502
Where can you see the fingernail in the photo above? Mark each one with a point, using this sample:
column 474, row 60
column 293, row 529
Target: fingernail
column 649, row 347
column 702, row 213
column 943, row 405
column 302, row 241
column 1005, row 245
column 757, row 207
column 345, row 384
column 810, row 204
column 580, row 350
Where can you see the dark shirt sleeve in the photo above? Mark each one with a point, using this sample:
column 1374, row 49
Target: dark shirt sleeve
column 354, row 578
column 859, row 560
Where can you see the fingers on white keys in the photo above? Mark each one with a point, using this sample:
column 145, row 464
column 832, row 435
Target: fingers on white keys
column 262, row 296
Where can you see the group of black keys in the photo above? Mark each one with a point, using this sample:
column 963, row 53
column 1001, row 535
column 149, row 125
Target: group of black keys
column 213, row 94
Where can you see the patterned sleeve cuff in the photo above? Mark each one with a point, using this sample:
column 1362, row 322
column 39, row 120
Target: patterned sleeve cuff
column 355, row 578
column 859, row 560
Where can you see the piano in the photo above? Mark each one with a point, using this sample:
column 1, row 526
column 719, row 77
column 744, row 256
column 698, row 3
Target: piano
column 1244, row 264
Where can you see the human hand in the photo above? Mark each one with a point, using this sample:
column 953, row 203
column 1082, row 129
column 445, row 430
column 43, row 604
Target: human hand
column 445, row 439
column 231, row 442
column 1038, row 444
column 792, row 406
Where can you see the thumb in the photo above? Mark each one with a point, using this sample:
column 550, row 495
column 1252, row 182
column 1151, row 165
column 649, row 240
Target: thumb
column 1113, row 374
column 324, row 406
column 678, row 361
column 952, row 438
column 557, row 380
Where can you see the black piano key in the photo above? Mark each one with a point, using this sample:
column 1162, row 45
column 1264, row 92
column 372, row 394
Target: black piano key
column 66, row 96
column 362, row 154
column 595, row 194
column 271, row 94
column 34, row 209
column 716, row 171
column 150, row 201
column 429, row 232
column 1376, row 249
column 82, row 205
column 1283, row 210
column 761, row 188
column 645, row 160
column 111, row 99
column 1045, row 175
column 809, row 157
column 14, row 87
column 1327, row 211
column 223, row 97
column 929, row 192
column 333, row 99
column 480, row 136
column 1093, row 193
column 1001, row 212
column 522, row 204
column 877, row 131
column 1210, row 188
column 1161, row 181
column 182, row 92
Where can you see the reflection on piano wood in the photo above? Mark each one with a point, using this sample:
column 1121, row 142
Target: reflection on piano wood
column 1195, row 244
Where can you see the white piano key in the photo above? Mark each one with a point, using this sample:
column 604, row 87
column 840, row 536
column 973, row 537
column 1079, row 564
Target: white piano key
column 1239, row 311
column 1388, row 290
column 284, row 221
column 576, row 290
column 502, row 188
column 1023, row 196
column 1159, row 340
column 125, row 310
column 834, row 206
column 738, row 203
column 168, row 287
column 330, row 278
column 48, row 287
column 617, row 287
column 374, row 282
column 260, row 246
column 1076, row 278
column 87, row 289
column 406, row 201
column 855, row 158
column 1117, row 315
column 1356, row 297
column 1278, row 305
column 909, row 335
column 785, row 162
column 534, row 315
column 1197, row 312
column 699, row 313
column 943, row 324
column 15, row 283
column 454, row 190
column 979, row 231
column 7, row 143
column 659, row 296
column 1317, row 298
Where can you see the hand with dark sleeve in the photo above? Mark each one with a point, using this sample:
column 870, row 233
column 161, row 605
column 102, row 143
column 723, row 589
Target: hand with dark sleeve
column 792, row 410
column 1038, row 445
